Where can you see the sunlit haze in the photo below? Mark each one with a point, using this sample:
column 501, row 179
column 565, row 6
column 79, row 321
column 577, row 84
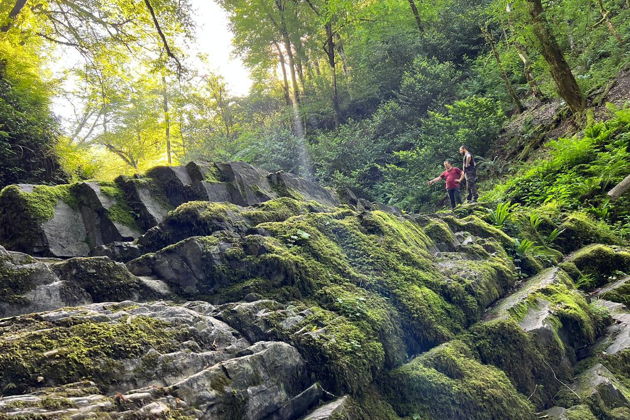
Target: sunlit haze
column 214, row 39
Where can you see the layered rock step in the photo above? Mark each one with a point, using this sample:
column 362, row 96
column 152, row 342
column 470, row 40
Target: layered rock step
column 29, row 284
column 159, row 359
column 73, row 220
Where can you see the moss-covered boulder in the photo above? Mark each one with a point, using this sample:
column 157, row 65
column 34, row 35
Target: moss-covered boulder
column 618, row 291
column 601, row 262
column 106, row 281
column 449, row 383
column 42, row 220
column 578, row 230
column 28, row 285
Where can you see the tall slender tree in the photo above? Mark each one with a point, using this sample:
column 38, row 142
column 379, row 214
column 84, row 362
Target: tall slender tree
column 566, row 84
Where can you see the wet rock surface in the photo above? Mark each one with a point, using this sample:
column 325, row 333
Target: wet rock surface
column 221, row 291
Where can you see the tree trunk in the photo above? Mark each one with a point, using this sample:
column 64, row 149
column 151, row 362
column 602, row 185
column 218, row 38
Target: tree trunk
column 566, row 84
column 167, row 120
column 527, row 70
column 416, row 14
column 17, row 8
column 330, row 52
column 508, row 85
column 620, row 189
column 287, row 96
column 297, row 119
column 299, row 49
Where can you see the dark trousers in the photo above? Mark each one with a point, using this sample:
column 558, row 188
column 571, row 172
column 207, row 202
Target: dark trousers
column 471, row 186
column 454, row 196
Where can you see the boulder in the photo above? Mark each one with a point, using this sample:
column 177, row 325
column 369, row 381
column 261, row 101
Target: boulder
column 106, row 215
column 29, row 285
column 288, row 185
column 338, row 409
column 578, row 230
column 175, row 183
column 247, row 185
column 617, row 291
column 105, row 280
column 601, row 262
column 42, row 220
column 118, row 251
column 146, row 199
column 605, row 395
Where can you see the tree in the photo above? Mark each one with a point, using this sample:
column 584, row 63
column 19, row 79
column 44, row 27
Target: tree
column 508, row 85
column 416, row 14
column 566, row 84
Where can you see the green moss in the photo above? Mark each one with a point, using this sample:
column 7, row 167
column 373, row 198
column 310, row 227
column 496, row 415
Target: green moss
column 15, row 280
column 478, row 227
column 601, row 261
column 42, row 200
column 104, row 279
column 620, row 293
column 280, row 209
column 579, row 412
column 120, row 211
column 578, row 230
column 571, row 269
column 22, row 214
column 346, row 357
column 440, row 233
column 580, row 320
column 56, row 403
column 212, row 174
column 504, row 344
column 83, row 349
column 448, row 383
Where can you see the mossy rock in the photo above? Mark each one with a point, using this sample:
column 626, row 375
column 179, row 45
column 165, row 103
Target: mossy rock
column 478, row 227
column 67, row 353
column 532, row 368
column 618, row 292
column 571, row 269
column 578, row 230
column 448, row 382
column 24, row 209
column 601, row 262
column 104, row 279
column 441, row 234
column 16, row 279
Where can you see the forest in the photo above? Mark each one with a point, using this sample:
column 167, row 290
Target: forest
column 369, row 95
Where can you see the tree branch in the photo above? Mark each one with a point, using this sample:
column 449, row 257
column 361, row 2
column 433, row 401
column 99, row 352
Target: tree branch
column 17, row 8
column 161, row 34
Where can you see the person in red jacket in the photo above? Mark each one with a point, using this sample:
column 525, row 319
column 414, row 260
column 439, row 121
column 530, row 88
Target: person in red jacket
column 451, row 175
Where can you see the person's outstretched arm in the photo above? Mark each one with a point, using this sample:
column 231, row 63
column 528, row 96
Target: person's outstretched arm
column 434, row 180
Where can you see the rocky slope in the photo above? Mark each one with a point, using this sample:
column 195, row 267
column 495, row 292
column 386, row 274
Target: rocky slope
column 220, row 291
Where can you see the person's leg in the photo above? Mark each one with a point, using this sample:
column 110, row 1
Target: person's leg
column 451, row 197
column 473, row 195
column 458, row 196
column 468, row 186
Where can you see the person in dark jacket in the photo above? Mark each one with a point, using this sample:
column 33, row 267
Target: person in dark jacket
column 452, row 176
column 470, row 173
